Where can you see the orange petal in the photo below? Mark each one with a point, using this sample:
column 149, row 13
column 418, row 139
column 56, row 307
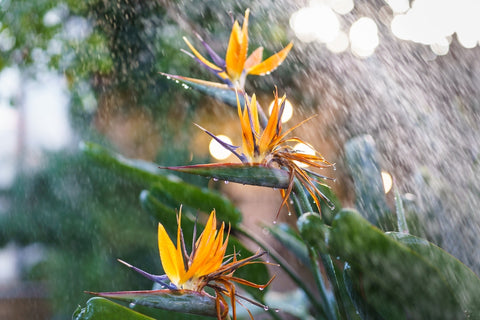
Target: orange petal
column 272, row 130
column 206, row 260
column 247, row 134
column 271, row 63
column 171, row 257
column 237, row 49
column 232, row 58
column 254, row 58
column 254, row 112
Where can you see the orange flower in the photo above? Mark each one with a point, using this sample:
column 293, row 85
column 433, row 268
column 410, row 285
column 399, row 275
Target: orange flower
column 271, row 148
column 205, row 266
column 236, row 66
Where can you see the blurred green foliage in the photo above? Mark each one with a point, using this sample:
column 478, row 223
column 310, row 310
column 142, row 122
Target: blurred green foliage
column 74, row 209
column 84, row 216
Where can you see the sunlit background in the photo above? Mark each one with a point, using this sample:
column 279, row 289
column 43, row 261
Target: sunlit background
column 429, row 22
column 405, row 72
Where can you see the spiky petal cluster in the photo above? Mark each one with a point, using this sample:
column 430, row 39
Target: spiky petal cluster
column 205, row 266
column 206, row 256
column 237, row 65
column 272, row 148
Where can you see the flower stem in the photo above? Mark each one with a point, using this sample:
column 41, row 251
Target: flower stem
column 303, row 205
column 286, row 267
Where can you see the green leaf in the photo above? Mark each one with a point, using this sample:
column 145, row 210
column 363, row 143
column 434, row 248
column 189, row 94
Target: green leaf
column 185, row 301
column 362, row 160
column 252, row 174
column 149, row 174
column 199, row 199
column 363, row 310
column 103, row 309
column 139, row 170
column 396, row 281
column 314, row 231
column 400, row 212
column 464, row 282
column 290, row 240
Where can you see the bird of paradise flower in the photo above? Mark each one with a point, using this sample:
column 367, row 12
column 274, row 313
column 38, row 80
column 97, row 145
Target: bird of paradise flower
column 236, row 66
column 205, row 266
column 271, row 148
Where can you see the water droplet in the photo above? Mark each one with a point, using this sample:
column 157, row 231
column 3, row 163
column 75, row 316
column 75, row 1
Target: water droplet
column 277, row 310
column 132, row 305
column 289, row 213
column 215, row 179
column 226, row 181
column 266, row 308
column 274, row 221
column 261, row 288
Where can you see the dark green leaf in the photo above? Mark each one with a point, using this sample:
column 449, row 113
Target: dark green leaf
column 185, row 301
column 287, row 237
column 397, row 281
column 181, row 192
column 252, row 174
column 464, row 282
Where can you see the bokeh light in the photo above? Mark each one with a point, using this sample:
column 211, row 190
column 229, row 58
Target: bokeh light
column 303, row 148
column 316, row 22
column 430, row 21
column 440, row 48
column 341, row 6
column 387, row 181
column 364, row 37
column 339, row 44
column 287, row 111
column 398, row 6
column 217, row 151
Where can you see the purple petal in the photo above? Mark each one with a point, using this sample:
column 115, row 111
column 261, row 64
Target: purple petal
column 215, row 57
column 155, row 278
column 227, row 146
column 215, row 72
